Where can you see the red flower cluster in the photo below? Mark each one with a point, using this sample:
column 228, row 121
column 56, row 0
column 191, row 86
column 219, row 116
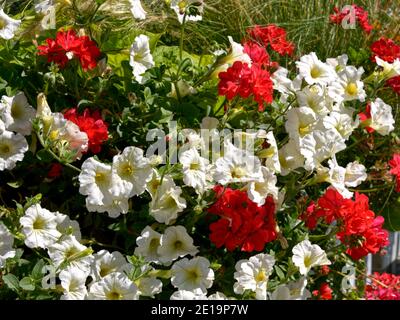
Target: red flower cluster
column 394, row 83
column 359, row 229
column 324, row 292
column 376, row 291
column 68, row 45
column 386, row 49
column 360, row 15
column 91, row 123
column 243, row 224
column 394, row 164
column 273, row 36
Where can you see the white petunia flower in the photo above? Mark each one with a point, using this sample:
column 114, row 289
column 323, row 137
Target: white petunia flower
column 348, row 86
column 115, row 286
column 105, row 263
column 355, row 174
column 319, row 146
column 66, row 226
column 314, row 70
column 342, row 122
column 336, row 177
column 381, row 117
column 155, row 183
column 258, row 191
column 389, row 70
column 70, row 251
column 133, row 169
column 237, row 165
column 147, row 245
column 8, row 26
column 39, row 226
column 137, row 10
column 292, row 291
column 73, row 283
column 114, row 206
column 300, row 122
column 6, row 245
column 219, row 296
column 167, row 203
column 175, row 243
column 192, row 274
column 149, row 286
column 140, row 57
column 307, row 255
column 271, row 154
column 12, row 149
column 196, row 294
column 194, row 169
column 290, row 157
column 181, row 8
column 253, row 274
column 338, row 63
column 313, row 97
column 17, row 114
column 95, row 181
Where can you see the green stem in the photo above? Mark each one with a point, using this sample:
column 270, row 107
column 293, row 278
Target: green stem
column 182, row 35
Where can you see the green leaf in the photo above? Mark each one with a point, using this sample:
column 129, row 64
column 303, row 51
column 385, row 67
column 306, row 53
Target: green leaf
column 279, row 272
column 44, row 156
column 37, row 271
column 15, row 184
column 27, row 284
column 12, row 282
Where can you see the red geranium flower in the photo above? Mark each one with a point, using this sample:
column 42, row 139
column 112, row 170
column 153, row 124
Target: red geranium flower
column 235, row 81
column 386, row 49
column 366, row 115
column 394, row 164
column 360, row 15
column 324, row 292
column 91, row 123
column 262, row 86
column 273, row 36
column 257, row 53
column 242, row 223
column 394, row 83
column 68, row 45
column 384, row 286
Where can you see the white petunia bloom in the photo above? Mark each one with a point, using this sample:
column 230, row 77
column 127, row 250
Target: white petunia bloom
column 389, row 70
column 114, row 206
column 8, row 26
column 12, row 149
column 95, row 182
column 115, row 286
column 319, row 146
column 348, row 86
column 338, row 63
column 314, row 70
column 283, row 84
column 194, row 169
column 253, row 274
column 290, row 157
column 292, row 291
column 70, row 251
column 342, row 122
column 381, row 117
column 140, row 57
column 192, row 274
column 105, row 263
column 336, row 177
column 175, row 243
column 147, row 245
column 17, row 114
column 237, row 165
column 66, row 226
column 181, row 7
column 219, row 296
column 6, row 245
column 149, row 286
column 167, row 202
column 258, row 191
column 137, row 10
column 133, row 169
column 300, row 122
column 155, row 182
column 39, row 226
column 355, row 174
column 313, row 97
column 73, row 283
column 196, row 294
column 307, row 255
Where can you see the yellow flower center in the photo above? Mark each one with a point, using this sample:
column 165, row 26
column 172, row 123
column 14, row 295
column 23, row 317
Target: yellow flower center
column 238, row 172
column 307, row 261
column 193, row 275
column 100, row 177
column 261, row 276
column 195, row 166
column 351, row 89
column 16, row 110
column 315, row 72
column 3, row 23
column 53, row 135
column 39, row 224
column 114, row 295
column 126, row 169
column 178, row 245
column 154, row 243
column 303, row 130
column 104, row 271
column 4, row 149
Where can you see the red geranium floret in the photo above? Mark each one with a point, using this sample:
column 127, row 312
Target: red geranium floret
column 324, row 292
column 235, row 81
column 92, row 124
column 242, row 223
column 386, row 49
column 360, row 15
column 384, row 286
